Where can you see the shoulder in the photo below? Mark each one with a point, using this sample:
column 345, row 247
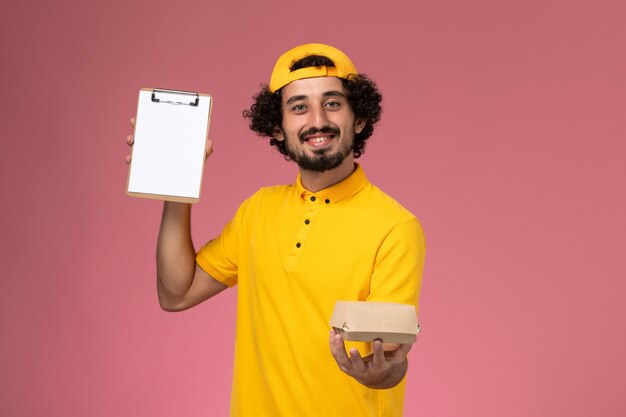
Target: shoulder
column 265, row 194
column 403, row 228
column 386, row 205
column 265, row 198
column 401, row 220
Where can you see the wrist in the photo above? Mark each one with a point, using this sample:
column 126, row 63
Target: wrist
column 176, row 206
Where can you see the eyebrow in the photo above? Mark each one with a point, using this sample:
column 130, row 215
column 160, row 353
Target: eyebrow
column 295, row 98
column 332, row 93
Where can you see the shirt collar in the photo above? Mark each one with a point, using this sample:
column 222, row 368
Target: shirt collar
column 336, row 192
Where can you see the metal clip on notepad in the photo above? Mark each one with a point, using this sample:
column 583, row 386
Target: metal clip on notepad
column 175, row 97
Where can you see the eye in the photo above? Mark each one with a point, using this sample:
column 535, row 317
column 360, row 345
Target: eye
column 298, row 108
column 333, row 104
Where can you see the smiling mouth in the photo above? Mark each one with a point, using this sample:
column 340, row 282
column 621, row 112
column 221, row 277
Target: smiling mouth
column 319, row 137
column 319, row 143
column 316, row 140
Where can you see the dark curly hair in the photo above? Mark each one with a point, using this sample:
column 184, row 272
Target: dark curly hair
column 363, row 96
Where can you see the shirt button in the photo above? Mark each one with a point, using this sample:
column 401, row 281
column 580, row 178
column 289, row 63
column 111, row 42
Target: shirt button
column 307, row 221
column 298, row 245
column 313, row 198
column 327, row 201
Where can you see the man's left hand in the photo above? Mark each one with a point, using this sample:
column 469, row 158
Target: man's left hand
column 379, row 370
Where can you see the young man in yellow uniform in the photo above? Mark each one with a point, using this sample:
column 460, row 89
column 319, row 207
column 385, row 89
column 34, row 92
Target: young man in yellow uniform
column 294, row 250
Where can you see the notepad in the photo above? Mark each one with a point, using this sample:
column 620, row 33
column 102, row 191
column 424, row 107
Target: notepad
column 168, row 154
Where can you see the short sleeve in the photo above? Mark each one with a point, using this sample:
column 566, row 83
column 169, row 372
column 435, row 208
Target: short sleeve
column 399, row 264
column 220, row 257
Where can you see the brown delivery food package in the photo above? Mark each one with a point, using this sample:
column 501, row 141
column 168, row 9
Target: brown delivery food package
column 364, row 321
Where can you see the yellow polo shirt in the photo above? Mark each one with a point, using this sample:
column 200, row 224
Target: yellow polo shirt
column 293, row 254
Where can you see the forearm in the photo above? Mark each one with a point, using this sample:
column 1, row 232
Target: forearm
column 175, row 253
column 392, row 379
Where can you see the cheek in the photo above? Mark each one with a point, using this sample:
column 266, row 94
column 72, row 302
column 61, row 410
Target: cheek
column 343, row 121
column 289, row 126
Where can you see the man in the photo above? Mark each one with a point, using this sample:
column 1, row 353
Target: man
column 294, row 250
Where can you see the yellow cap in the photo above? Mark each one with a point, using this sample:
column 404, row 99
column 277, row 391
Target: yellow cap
column 281, row 76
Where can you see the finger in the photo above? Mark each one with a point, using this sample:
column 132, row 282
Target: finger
column 378, row 353
column 209, row 148
column 336, row 345
column 132, row 121
column 128, row 159
column 357, row 362
column 401, row 353
column 390, row 347
column 338, row 349
column 130, row 139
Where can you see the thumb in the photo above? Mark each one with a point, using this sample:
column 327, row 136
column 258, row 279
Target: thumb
column 209, row 148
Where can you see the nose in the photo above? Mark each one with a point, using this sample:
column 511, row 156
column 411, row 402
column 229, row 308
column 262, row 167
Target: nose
column 319, row 118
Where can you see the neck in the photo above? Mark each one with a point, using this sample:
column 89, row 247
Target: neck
column 315, row 181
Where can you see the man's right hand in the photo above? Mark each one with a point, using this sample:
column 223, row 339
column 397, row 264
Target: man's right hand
column 130, row 139
column 181, row 283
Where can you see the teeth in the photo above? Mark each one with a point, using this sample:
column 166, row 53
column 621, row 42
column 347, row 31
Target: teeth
column 319, row 139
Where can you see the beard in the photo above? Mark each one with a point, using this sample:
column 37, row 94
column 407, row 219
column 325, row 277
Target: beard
column 323, row 159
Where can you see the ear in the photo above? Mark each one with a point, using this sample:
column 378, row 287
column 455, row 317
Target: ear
column 278, row 134
column 359, row 125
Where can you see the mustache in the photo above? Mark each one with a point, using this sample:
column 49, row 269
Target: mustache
column 312, row 131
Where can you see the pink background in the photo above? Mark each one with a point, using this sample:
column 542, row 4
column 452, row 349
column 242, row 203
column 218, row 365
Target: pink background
column 503, row 130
